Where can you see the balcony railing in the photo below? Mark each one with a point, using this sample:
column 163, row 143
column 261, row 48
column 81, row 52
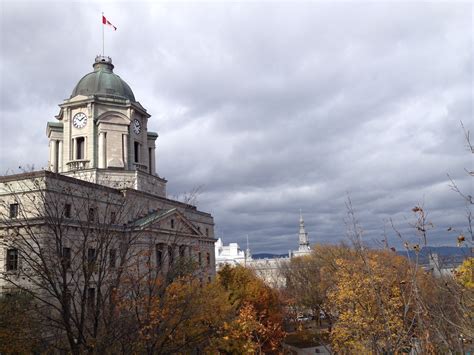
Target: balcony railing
column 79, row 164
column 141, row 167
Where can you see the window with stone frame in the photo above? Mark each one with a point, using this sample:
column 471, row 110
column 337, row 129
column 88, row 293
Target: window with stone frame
column 66, row 258
column 170, row 255
column 12, row 259
column 112, row 258
column 208, row 258
column 91, row 257
column 67, row 210
column 14, row 208
column 159, row 255
column 80, row 148
column 182, row 251
column 92, row 214
column 136, row 151
column 91, row 297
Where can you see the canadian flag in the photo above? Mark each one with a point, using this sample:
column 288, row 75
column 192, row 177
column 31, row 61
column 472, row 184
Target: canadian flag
column 107, row 22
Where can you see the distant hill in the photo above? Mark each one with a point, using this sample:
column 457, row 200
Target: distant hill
column 447, row 253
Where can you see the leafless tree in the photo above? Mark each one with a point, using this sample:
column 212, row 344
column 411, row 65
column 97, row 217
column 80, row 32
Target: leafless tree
column 67, row 244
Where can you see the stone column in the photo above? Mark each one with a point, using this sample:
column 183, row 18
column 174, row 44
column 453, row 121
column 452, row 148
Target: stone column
column 74, row 149
column 54, row 156
column 125, row 151
column 152, row 161
column 51, row 157
column 60, row 156
column 102, row 149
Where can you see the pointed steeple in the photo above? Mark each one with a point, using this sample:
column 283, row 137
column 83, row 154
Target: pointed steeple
column 303, row 236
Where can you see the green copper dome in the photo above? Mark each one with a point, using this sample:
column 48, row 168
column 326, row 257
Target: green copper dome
column 102, row 81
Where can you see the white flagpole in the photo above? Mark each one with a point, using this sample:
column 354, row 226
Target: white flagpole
column 103, row 36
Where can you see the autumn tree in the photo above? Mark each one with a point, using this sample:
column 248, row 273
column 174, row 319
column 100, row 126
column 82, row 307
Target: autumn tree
column 20, row 330
column 257, row 323
column 169, row 302
column 309, row 278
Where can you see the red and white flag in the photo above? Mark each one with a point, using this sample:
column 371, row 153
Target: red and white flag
column 107, row 22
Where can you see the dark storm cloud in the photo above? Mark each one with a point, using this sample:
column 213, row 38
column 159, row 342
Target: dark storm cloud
column 271, row 107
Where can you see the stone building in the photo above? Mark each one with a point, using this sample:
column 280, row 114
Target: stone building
column 268, row 269
column 101, row 178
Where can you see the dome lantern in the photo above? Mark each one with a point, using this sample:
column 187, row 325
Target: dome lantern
column 103, row 82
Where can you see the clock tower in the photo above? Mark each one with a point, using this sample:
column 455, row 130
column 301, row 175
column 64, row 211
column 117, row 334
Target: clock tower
column 101, row 134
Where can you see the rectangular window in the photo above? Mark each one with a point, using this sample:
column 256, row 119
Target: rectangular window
column 159, row 255
column 200, row 259
column 113, row 217
column 91, row 297
column 172, row 223
column 66, row 258
column 12, row 259
column 80, row 148
column 13, row 210
column 207, row 232
column 67, row 301
column 67, row 210
column 182, row 251
column 136, row 150
column 208, row 258
column 112, row 258
column 91, row 256
column 91, row 214
column 170, row 255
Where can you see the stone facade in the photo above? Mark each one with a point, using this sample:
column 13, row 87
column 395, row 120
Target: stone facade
column 106, row 130
column 102, row 180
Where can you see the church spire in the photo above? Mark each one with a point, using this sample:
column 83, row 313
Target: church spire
column 303, row 236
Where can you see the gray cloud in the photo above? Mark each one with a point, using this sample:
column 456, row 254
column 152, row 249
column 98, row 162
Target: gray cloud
column 271, row 107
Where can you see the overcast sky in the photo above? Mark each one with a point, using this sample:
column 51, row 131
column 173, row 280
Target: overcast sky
column 269, row 107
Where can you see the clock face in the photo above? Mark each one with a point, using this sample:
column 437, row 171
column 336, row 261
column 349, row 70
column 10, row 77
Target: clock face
column 136, row 126
column 79, row 120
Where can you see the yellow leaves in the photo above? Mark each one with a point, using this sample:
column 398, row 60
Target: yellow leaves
column 258, row 323
column 465, row 274
column 367, row 299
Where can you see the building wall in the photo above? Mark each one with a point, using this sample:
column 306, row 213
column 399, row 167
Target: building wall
column 42, row 197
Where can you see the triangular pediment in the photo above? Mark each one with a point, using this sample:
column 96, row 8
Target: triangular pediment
column 78, row 98
column 171, row 220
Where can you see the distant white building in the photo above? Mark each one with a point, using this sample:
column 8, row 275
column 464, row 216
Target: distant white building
column 267, row 269
column 439, row 266
column 228, row 254
column 304, row 248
